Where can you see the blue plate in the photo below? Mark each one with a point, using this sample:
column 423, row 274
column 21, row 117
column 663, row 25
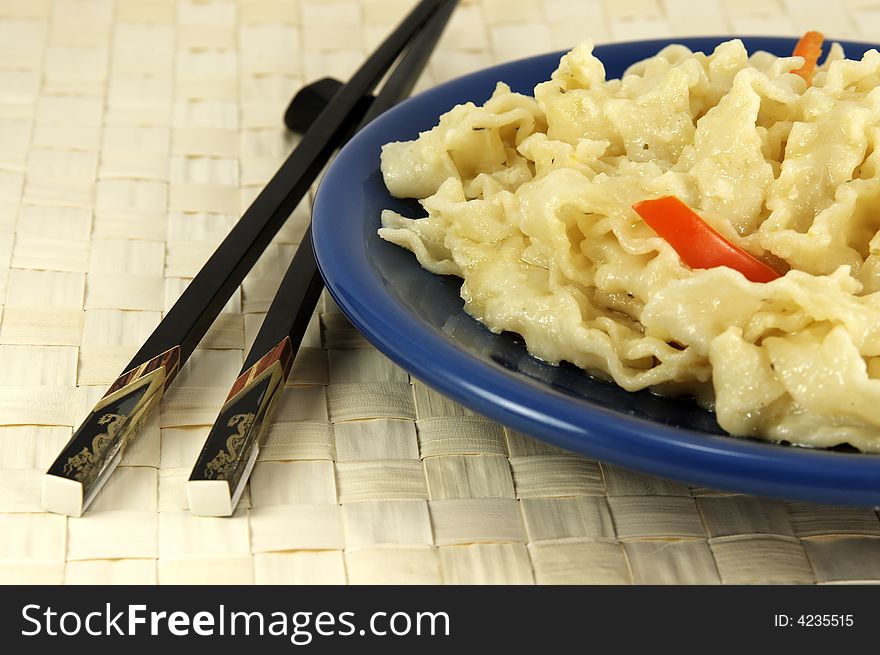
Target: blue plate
column 416, row 319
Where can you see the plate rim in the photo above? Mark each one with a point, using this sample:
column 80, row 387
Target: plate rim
column 695, row 458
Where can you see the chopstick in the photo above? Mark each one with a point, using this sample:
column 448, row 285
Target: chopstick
column 232, row 446
column 94, row 450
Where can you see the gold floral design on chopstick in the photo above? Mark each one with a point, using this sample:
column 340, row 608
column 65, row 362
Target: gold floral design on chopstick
column 81, row 465
column 225, row 461
column 104, row 434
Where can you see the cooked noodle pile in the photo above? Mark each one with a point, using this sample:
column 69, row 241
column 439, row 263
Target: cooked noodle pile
column 529, row 201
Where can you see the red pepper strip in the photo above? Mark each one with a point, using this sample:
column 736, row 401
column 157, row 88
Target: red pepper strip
column 810, row 48
column 697, row 242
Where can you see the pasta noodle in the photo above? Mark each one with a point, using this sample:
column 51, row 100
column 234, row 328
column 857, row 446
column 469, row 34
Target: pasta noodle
column 529, row 201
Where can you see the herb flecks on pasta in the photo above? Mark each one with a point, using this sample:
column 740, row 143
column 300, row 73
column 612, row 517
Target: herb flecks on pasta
column 529, row 201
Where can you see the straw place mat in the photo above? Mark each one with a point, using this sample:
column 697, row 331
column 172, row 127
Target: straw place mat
column 132, row 135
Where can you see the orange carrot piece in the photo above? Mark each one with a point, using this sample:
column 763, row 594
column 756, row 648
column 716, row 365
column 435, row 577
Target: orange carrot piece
column 810, row 48
column 696, row 242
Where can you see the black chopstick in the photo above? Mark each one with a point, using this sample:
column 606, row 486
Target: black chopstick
column 231, row 448
column 95, row 449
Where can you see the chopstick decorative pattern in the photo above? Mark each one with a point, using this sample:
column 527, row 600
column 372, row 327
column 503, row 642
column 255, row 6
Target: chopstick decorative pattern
column 195, row 311
column 231, row 451
column 282, row 353
column 245, row 409
column 98, row 445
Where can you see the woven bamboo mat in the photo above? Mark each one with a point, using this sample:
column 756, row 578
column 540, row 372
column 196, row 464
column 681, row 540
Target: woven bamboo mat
column 132, row 134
